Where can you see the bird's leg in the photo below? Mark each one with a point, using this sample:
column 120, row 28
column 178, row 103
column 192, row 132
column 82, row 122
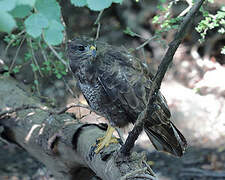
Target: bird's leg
column 106, row 139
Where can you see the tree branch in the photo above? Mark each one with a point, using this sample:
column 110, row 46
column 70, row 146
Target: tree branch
column 157, row 80
column 62, row 143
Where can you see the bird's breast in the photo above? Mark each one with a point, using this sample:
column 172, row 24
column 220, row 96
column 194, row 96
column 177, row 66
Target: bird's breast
column 103, row 105
column 95, row 96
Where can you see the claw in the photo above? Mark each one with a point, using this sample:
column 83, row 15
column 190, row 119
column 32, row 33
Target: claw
column 106, row 139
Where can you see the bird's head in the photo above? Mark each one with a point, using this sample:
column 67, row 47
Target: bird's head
column 81, row 51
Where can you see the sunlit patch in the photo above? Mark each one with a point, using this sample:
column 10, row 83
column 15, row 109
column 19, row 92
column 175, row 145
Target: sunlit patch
column 42, row 129
column 6, row 109
column 44, row 107
column 27, row 138
column 31, row 113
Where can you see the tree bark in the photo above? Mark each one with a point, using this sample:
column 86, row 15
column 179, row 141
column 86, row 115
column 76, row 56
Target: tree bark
column 62, row 143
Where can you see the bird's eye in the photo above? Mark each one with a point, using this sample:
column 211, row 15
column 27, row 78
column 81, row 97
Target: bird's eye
column 81, row 48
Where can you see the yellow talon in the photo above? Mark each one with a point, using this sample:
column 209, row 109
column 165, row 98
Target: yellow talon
column 106, row 139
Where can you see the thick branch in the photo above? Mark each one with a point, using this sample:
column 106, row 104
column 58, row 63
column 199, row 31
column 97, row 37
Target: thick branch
column 157, row 80
column 62, row 143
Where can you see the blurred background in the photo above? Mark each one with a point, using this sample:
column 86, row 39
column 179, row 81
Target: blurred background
column 194, row 85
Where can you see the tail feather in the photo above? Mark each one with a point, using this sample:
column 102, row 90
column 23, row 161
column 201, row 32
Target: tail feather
column 166, row 137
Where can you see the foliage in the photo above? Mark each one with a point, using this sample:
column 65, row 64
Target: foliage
column 95, row 5
column 128, row 31
column 7, row 22
column 39, row 17
column 42, row 16
column 40, row 24
column 210, row 22
column 165, row 19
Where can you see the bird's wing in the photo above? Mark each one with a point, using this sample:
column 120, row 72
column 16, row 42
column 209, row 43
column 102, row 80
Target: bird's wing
column 128, row 86
column 126, row 83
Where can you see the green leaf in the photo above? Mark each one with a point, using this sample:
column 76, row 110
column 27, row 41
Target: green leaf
column 48, row 8
column 34, row 24
column 129, row 32
column 26, row 2
column 117, row 1
column 34, row 67
column 222, row 8
column 58, row 75
column 98, row 5
column 21, row 11
column 79, row 3
column 64, row 72
column 36, row 82
column 221, row 30
column 27, row 56
column 5, row 67
column 16, row 69
column 6, row 74
column 223, row 50
column 7, row 5
column 7, row 23
column 54, row 35
column 155, row 19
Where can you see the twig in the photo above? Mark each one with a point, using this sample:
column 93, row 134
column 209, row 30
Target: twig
column 7, row 47
column 69, row 88
column 56, row 54
column 157, row 80
column 64, row 32
column 42, row 51
column 37, row 83
column 17, row 52
column 34, row 58
column 45, row 58
column 99, row 17
column 145, row 43
column 98, row 30
column 23, row 107
column 187, row 9
column 98, row 23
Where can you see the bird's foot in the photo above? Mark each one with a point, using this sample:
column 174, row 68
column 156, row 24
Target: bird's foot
column 106, row 139
column 104, row 142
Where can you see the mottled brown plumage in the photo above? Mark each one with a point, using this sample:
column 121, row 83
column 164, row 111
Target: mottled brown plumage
column 116, row 85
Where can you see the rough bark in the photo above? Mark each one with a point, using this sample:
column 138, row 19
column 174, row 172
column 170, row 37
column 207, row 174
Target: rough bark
column 59, row 141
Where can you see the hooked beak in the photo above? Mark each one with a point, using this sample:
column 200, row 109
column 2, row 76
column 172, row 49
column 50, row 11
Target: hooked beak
column 93, row 51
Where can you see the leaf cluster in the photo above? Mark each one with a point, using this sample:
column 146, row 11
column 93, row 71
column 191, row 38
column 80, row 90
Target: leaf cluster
column 95, row 5
column 164, row 18
column 40, row 23
column 41, row 17
column 212, row 21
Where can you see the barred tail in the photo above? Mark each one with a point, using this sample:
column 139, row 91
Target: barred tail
column 166, row 137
